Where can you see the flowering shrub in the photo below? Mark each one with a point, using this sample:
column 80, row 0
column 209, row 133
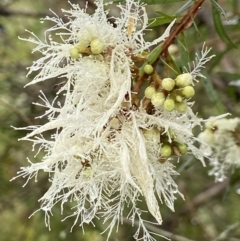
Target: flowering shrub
column 120, row 126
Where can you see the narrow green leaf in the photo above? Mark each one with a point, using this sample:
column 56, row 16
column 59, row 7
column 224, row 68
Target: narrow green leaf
column 219, row 27
column 154, row 22
column 185, row 7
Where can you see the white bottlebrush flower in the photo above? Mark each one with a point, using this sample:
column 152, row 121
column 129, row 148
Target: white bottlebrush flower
column 222, row 138
column 106, row 151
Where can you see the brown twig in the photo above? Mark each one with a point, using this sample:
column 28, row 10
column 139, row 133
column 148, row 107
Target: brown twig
column 184, row 24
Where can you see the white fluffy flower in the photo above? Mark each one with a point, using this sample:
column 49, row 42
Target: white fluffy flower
column 105, row 151
column 222, row 138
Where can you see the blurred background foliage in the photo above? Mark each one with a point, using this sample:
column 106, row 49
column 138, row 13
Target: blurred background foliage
column 209, row 208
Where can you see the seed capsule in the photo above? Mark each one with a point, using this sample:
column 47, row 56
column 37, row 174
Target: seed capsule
column 181, row 107
column 158, row 99
column 166, row 150
column 149, row 92
column 188, row 91
column 74, row 52
column 183, row 80
column 97, row 46
column 169, row 104
column 148, row 69
column 168, row 84
column 182, row 148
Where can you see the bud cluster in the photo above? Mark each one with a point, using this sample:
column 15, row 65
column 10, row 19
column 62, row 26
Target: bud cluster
column 96, row 46
column 172, row 94
column 169, row 145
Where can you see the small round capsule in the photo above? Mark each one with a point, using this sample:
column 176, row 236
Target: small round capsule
column 169, row 105
column 97, row 46
column 148, row 69
column 168, row 84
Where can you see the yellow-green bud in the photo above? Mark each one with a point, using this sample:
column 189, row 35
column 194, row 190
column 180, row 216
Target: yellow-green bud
column 115, row 123
column 158, row 99
column 149, row 92
column 207, row 136
column 183, row 80
column 181, row 107
column 74, row 52
column 183, row 148
column 166, row 150
column 188, row 91
column 169, row 104
column 168, row 84
column 148, row 69
column 173, row 49
column 179, row 98
column 97, row 46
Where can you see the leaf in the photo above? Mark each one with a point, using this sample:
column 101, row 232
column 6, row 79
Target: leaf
column 219, row 27
column 154, row 22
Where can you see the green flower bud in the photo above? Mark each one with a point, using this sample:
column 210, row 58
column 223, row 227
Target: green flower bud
column 158, row 99
column 97, row 46
column 169, row 104
column 181, row 107
column 188, row 91
column 148, row 69
column 168, row 84
column 149, row 92
column 179, row 98
column 183, row 80
column 183, row 148
column 166, row 150
column 115, row 123
column 74, row 52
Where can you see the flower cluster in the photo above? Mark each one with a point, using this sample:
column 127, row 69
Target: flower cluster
column 110, row 145
column 223, row 145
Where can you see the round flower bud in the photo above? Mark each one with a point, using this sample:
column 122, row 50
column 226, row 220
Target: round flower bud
column 115, row 123
column 166, row 150
column 169, row 104
column 97, row 46
column 173, row 49
column 207, row 136
column 158, row 99
column 182, row 148
column 148, row 69
column 188, row 91
column 149, row 92
column 183, row 80
column 74, row 52
column 168, row 84
column 179, row 98
column 181, row 107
